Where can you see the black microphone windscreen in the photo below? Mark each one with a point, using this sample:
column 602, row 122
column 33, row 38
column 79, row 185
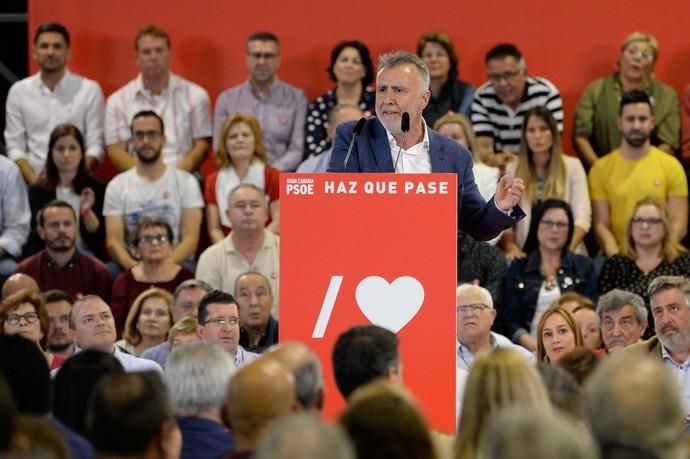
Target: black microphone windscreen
column 405, row 122
column 359, row 126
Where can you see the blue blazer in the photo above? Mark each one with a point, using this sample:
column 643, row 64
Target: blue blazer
column 371, row 153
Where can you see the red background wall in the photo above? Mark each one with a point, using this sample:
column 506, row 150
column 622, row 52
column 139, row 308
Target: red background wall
column 569, row 42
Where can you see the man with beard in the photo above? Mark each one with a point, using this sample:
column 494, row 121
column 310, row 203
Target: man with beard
column 52, row 96
column 669, row 300
column 634, row 171
column 60, row 264
column 402, row 86
column 60, row 336
column 154, row 190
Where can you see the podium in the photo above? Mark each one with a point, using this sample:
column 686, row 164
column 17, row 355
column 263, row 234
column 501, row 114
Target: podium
column 374, row 248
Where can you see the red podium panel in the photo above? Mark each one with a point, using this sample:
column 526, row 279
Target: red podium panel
column 374, row 248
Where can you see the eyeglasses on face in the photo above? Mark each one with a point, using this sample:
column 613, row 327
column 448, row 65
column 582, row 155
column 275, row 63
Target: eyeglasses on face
column 29, row 317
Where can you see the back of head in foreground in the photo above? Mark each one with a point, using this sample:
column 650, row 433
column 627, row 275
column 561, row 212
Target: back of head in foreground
column 498, row 380
column 305, row 366
column 383, row 421
column 634, row 409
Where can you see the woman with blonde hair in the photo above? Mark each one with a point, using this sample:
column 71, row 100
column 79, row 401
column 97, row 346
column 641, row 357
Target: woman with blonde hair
column 498, row 380
column 242, row 158
column 148, row 322
column 557, row 334
column 548, row 174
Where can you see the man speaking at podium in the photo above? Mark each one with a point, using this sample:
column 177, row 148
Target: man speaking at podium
column 398, row 140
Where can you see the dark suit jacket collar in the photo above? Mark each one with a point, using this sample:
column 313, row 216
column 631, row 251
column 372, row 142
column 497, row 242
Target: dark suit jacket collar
column 378, row 141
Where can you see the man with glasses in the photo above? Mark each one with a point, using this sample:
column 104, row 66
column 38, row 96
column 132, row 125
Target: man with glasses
column 61, row 265
column 154, row 190
column 635, row 170
column 186, row 299
column 280, row 108
column 500, row 104
column 219, row 323
column 184, row 106
column 475, row 317
column 623, row 319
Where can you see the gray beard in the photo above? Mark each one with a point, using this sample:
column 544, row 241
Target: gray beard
column 679, row 342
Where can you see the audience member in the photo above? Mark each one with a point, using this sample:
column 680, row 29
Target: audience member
column 58, row 305
column 500, row 104
column 459, row 128
column 74, row 383
column 17, row 282
column 340, row 114
column 183, row 106
column 480, row 263
column 197, row 376
column 248, row 247
column 26, row 372
column 153, row 190
column 497, row 380
column 512, row 435
column 130, row 416
column 152, row 246
column 219, row 323
column 579, row 362
column 382, row 421
column 61, row 265
column 303, row 436
column 362, row 354
column 52, row 96
column 40, row 439
column 258, row 328
column 565, row 393
column 305, row 367
column 596, row 123
column 449, row 94
column 588, row 323
column 557, row 334
column 94, row 328
column 572, row 300
column 186, row 299
column 241, row 156
column 352, row 72
column 65, row 177
column 685, row 125
column 280, row 108
column 148, row 322
column 15, row 216
column 24, row 314
column 533, row 283
column 475, row 314
column 259, row 393
column 649, row 251
column 623, row 319
column 634, row 409
column 402, row 86
column 548, row 173
column 633, row 171
column 182, row 332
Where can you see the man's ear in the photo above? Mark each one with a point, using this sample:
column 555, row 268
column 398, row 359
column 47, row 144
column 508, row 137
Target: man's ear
column 395, row 374
column 41, row 232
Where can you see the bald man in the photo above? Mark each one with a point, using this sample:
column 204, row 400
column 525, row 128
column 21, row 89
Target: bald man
column 258, row 393
column 305, row 367
column 17, row 282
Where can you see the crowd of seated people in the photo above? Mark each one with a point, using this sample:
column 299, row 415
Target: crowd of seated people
column 103, row 282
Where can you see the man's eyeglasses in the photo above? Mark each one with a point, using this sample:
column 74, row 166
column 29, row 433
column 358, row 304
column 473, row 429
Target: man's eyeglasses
column 148, row 239
column 29, row 317
column 475, row 308
column 220, row 321
column 153, row 135
column 507, row 76
column 259, row 56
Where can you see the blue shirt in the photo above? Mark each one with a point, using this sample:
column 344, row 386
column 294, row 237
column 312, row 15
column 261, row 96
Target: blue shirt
column 203, row 438
column 682, row 375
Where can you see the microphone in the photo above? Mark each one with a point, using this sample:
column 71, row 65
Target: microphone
column 404, row 127
column 355, row 132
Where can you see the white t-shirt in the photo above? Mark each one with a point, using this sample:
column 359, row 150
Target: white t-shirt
column 133, row 198
column 544, row 302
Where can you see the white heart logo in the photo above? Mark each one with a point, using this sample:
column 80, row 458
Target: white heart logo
column 393, row 305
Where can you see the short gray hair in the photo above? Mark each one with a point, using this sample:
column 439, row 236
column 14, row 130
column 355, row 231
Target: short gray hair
column 398, row 58
column 465, row 289
column 663, row 283
column 198, row 375
column 616, row 299
column 309, row 383
column 250, row 186
column 190, row 284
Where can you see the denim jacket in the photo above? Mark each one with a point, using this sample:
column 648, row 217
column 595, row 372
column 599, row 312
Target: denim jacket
column 524, row 280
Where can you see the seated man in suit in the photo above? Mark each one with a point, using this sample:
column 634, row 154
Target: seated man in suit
column 402, row 86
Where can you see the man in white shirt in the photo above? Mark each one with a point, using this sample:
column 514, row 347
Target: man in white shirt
column 151, row 190
column 15, row 216
column 53, row 96
column 184, row 107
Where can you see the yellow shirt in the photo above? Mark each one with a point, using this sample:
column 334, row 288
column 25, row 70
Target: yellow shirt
column 622, row 182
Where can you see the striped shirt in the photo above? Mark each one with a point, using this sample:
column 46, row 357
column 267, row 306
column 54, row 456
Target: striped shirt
column 492, row 118
column 281, row 114
column 243, row 357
